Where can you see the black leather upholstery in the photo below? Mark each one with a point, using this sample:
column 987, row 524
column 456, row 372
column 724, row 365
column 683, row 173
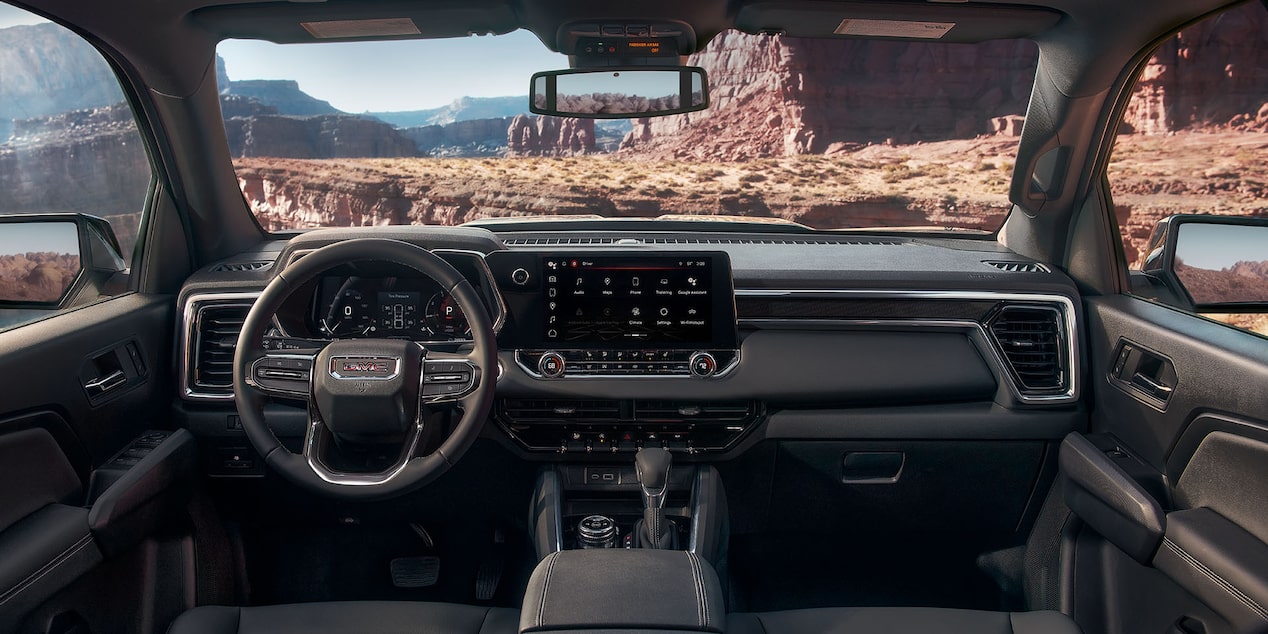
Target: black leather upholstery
column 361, row 617
column 900, row 621
column 617, row 589
column 1220, row 563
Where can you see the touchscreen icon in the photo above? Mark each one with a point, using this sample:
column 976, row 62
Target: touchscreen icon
column 692, row 281
column 664, row 312
column 636, row 311
column 634, row 282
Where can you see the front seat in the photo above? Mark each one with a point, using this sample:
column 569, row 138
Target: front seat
column 900, row 621
column 343, row 617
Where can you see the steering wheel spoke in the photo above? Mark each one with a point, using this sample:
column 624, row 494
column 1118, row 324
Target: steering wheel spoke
column 449, row 377
column 317, row 446
column 286, row 374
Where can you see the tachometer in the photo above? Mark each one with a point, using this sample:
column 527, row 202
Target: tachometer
column 444, row 317
column 349, row 314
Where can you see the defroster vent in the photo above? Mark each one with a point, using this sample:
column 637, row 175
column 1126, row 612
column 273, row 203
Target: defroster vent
column 1033, row 342
column 216, row 329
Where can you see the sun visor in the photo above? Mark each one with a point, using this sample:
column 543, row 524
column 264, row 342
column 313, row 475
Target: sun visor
column 927, row 21
column 297, row 22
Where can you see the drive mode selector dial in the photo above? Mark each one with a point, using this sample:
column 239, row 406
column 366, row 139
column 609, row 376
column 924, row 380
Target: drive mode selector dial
column 703, row 364
column 551, row 365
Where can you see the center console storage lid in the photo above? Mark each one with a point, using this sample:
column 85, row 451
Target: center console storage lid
column 616, row 589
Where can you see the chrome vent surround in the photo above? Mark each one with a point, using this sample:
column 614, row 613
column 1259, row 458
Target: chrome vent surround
column 1018, row 267
column 1033, row 341
column 209, row 336
column 237, row 267
column 541, row 242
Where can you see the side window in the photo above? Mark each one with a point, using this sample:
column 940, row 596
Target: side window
column 1194, row 142
column 74, row 173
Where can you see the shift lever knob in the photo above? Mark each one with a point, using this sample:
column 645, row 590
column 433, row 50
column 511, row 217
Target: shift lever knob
column 652, row 466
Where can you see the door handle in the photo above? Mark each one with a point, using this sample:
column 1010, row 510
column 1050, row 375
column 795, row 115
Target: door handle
column 101, row 385
column 1159, row 389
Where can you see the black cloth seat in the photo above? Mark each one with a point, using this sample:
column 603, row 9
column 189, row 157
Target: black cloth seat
column 349, row 617
column 900, row 621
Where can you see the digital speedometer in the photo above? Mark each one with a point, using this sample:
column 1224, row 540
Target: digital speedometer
column 349, row 314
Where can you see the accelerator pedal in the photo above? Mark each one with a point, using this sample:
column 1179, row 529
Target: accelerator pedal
column 415, row 572
column 490, row 573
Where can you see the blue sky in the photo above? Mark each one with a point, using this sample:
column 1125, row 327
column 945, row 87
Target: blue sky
column 385, row 76
column 399, row 75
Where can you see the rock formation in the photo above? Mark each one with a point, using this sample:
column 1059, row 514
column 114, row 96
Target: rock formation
column 1210, row 74
column 91, row 161
column 45, row 69
column 322, row 136
column 549, row 136
column 469, row 137
column 283, row 94
column 36, row 277
column 777, row 96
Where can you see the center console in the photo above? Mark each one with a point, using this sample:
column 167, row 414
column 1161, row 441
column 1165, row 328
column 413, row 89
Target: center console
column 582, row 316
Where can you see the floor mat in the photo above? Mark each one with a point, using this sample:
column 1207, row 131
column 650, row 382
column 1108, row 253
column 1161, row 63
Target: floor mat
column 797, row 571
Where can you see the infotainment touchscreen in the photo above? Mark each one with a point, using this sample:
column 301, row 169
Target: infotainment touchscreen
column 661, row 300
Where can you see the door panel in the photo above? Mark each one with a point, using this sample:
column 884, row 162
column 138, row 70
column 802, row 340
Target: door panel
column 57, row 426
column 1202, row 444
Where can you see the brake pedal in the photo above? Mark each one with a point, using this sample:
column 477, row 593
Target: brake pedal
column 415, row 572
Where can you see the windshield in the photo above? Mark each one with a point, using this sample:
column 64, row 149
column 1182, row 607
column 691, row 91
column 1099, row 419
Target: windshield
column 830, row 134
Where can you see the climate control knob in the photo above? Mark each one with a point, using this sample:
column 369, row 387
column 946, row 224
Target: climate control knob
column 703, row 364
column 551, row 365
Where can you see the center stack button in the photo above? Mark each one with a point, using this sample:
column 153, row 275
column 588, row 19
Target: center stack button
column 551, row 365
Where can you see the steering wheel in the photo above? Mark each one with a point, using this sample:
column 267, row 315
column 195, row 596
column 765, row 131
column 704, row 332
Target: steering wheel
column 365, row 392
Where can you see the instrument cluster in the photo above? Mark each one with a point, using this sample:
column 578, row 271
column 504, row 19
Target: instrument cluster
column 417, row 308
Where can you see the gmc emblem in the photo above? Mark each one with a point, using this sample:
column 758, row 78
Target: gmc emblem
column 363, row 367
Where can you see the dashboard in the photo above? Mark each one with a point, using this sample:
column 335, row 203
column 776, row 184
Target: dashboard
column 607, row 342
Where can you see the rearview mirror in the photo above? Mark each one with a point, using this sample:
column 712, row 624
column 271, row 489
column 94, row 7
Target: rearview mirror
column 619, row 92
column 1217, row 263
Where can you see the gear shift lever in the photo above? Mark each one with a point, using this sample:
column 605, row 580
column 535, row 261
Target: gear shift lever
column 652, row 467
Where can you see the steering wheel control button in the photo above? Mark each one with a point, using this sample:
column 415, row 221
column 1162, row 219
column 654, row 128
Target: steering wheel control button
column 284, row 376
column 703, row 364
column 520, row 277
column 551, row 365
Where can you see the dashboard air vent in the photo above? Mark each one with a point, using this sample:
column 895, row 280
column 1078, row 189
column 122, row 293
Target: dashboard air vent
column 1032, row 340
column 561, row 410
column 234, row 267
column 656, row 411
column 1018, row 267
column 215, row 337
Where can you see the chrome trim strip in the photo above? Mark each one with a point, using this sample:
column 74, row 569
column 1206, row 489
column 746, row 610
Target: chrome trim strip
column 396, row 368
column 1065, row 307
column 189, row 326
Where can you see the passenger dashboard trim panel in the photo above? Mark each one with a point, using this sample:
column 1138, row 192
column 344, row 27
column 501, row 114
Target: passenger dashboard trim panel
column 1068, row 323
